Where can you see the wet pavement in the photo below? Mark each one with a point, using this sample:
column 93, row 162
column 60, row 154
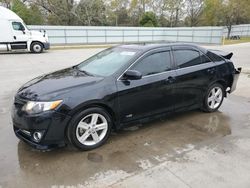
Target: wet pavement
column 188, row 149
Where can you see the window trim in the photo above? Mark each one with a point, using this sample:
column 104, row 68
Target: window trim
column 147, row 54
column 174, row 48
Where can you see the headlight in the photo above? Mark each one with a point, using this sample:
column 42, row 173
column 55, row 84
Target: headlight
column 33, row 107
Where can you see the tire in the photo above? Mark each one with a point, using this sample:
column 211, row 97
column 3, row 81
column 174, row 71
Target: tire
column 213, row 98
column 89, row 129
column 36, row 47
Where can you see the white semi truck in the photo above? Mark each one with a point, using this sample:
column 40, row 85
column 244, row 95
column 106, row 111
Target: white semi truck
column 14, row 34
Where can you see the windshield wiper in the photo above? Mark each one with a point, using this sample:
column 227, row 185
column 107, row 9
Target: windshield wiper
column 83, row 71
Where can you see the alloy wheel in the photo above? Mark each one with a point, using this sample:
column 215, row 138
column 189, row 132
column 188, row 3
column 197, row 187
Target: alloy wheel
column 215, row 97
column 92, row 129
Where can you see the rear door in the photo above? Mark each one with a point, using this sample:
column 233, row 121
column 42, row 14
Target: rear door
column 195, row 71
column 153, row 93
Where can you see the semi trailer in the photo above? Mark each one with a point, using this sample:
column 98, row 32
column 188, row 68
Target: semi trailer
column 15, row 35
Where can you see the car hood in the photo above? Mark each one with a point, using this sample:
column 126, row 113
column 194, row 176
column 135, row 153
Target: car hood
column 55, row 84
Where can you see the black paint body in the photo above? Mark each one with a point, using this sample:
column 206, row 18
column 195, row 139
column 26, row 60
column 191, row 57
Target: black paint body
column 127, row 101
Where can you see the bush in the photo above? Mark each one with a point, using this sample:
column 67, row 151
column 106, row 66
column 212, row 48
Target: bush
column 149, row 20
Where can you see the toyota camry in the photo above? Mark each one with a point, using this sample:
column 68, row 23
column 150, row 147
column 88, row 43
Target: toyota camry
column 117, row 87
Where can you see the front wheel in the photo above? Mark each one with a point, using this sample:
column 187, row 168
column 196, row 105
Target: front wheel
column 213, row 98
column 36, row 47
column 90, row 128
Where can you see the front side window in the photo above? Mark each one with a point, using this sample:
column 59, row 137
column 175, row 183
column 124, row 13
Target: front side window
column 187, row 58
column 18, row 26
column 153, row 64
column 107, row 62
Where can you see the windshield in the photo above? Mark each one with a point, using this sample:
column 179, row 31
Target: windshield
column 107, row 62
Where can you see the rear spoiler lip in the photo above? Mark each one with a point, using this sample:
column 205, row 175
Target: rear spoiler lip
column 226, row 55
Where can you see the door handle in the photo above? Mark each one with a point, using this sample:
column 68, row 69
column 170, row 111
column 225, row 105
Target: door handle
column 211, row 70
column 170, row 80
column 14, row 37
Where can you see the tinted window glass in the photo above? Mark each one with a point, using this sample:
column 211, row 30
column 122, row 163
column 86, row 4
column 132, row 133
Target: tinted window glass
column 214, row 57
column 155, row 63
column 17, row 26
column 186, row 58
column 204, row 59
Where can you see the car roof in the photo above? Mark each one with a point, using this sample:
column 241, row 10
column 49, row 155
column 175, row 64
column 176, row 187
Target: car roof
column 150, row 46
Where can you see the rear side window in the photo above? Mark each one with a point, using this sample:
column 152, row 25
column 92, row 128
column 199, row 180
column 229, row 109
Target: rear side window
column 204, row 58
column 214, row 57
column 187, row 58
column 18, row 26
column 154, row 63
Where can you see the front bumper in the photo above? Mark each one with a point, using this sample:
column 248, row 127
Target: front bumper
column 51, row 124
column 46, row 45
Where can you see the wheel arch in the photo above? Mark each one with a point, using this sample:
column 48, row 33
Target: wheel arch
column 38, row 42
column 93, row 104
column 222, row 82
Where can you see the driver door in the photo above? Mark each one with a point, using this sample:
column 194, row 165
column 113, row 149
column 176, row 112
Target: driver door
column 20, row 33
column 153, row 93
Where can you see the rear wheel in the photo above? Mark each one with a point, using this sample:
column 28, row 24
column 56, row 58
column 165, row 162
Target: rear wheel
column 36, row 47
column 213, row 98
column 90, row 128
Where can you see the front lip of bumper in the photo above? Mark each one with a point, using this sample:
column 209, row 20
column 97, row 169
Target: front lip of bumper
column 46, row 45
column 38, row 146
column 51, row 123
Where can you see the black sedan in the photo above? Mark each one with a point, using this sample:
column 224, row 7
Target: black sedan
column 119, row 86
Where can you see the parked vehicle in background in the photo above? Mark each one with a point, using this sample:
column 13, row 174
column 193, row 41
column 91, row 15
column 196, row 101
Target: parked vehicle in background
column 14, row 34
column 118, row 87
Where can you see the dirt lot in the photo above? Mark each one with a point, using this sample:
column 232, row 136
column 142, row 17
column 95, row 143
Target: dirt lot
column 191, row 149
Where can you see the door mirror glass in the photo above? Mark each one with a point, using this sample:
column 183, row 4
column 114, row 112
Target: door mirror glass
column 132, row 75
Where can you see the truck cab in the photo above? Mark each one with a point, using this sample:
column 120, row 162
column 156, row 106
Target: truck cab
column 15, row 35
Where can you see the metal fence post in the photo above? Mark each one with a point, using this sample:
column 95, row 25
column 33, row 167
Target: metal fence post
column 152, row 35
column 211, row 35
column 192, row 34
column 177, row 37
column 65, row 36
column 248, row 31
column 87, row 36
column 122, row 35
column 138, row 36
column 105, row 33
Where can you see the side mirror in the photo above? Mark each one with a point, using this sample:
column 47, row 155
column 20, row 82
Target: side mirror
column 22, row 29
column 132, row 75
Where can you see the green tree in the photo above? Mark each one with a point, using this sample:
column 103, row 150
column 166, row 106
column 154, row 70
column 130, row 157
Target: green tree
column 30, row 15
column 58, row 12
column 235, row 12
column 149, row 19
column 212, row 13
column 91, row 12
column 193, row 10
column 5, row 3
